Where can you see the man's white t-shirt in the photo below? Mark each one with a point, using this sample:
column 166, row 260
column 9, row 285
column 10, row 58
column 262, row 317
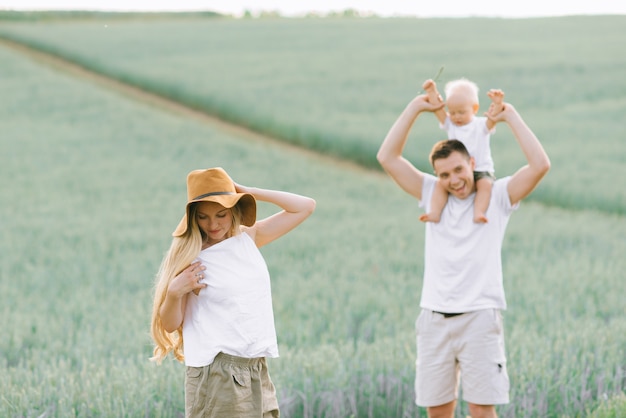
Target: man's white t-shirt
column 463, row 263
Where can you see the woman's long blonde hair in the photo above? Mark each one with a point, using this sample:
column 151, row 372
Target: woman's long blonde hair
column 183, row 251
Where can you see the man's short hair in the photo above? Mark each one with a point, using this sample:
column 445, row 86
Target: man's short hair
column 443, row 149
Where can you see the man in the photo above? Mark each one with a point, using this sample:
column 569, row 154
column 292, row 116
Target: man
column 459, row 329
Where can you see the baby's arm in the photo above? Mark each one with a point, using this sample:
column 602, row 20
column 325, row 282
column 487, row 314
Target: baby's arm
column 497, row 105
column 434, row 97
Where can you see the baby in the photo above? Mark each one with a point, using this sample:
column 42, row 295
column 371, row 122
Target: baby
column 460, row 122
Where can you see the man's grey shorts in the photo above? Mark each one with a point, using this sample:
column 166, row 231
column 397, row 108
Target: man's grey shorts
column 469, row 346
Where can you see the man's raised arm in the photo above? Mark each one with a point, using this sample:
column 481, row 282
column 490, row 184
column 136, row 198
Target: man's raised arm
column 524, row 181
column 408, row 177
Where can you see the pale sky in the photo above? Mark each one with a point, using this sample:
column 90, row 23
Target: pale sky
column 424, row 8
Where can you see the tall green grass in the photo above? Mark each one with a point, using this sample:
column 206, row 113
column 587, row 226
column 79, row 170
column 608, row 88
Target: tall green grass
column 92, row 186
column 336, row 85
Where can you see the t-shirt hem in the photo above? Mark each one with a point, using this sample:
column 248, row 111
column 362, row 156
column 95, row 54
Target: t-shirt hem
column 449, row 309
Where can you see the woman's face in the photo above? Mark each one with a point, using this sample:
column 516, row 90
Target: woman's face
column 215, row 221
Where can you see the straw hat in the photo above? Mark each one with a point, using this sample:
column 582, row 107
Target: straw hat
column 214, row 185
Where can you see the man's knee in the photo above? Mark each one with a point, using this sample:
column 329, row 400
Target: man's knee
column 482, row 411
column 442, row 411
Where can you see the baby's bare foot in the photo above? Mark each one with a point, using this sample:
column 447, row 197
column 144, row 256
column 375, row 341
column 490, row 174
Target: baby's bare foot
column 480, row 218
column 430, row 217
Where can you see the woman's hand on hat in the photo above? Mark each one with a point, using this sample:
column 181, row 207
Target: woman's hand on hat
column 241, row 189
column 188, row 280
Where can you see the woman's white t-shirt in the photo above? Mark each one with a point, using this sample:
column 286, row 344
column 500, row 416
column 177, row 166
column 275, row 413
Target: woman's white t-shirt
column 234, row 313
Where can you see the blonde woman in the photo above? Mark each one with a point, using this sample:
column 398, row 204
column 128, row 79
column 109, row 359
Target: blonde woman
column 212, row 303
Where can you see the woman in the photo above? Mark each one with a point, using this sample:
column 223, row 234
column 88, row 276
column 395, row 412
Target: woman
column 213, row 292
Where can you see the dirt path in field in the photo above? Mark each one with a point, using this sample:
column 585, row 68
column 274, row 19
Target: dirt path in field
column 164, row 103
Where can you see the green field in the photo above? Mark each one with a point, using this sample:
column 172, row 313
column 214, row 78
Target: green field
column 92, row 185
column 336, row 85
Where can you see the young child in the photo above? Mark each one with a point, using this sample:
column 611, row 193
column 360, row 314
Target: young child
column 460, row 122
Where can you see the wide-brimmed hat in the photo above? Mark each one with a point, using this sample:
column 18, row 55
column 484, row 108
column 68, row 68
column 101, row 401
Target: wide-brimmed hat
column 214, row 185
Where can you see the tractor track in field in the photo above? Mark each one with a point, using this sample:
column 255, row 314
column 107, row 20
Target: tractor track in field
column 163, row 103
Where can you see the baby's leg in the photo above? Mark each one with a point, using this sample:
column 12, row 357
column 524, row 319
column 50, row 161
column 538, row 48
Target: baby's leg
column 497, row 101
column 481, row 202
column 437, row 202
column 430, row 88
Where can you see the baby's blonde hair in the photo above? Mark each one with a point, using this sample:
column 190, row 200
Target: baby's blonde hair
column 183, row 251
column 463, row 86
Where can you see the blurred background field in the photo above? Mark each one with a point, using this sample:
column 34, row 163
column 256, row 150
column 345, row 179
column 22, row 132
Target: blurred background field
column 92, row 185
column 336, row 85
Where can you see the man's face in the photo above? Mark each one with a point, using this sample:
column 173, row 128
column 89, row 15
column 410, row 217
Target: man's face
column 456, row 174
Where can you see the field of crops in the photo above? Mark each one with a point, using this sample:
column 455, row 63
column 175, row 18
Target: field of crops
column 336, row 85
column 92, row 185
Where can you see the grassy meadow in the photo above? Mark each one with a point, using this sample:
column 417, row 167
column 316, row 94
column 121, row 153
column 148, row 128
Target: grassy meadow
column 93, row 183
column 336, row 85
